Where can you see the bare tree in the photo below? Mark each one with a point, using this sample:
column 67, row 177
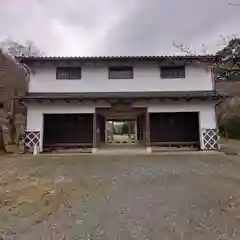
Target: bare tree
column 227, row 110
column 226, row 67
column 17, row 49
column 12, row 49
column 184, row 48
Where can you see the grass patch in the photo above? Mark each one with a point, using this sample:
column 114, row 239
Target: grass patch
column 231, row 140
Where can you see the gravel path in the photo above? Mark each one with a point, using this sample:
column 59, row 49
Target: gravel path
column 136, row 197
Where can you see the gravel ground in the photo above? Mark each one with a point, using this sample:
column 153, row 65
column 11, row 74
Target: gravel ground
column 120, row 197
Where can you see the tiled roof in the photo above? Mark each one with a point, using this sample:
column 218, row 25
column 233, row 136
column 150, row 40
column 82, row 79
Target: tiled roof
column 124, row 95
column 104, row 58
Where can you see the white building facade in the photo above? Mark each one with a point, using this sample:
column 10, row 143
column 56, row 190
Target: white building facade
column 171, row 99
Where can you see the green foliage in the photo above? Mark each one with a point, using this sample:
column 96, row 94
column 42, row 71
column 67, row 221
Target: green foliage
column 228, row 74
column 229, row 67
column 131, row 125
column 125, row 128
column 231, row 128
column 128, row 128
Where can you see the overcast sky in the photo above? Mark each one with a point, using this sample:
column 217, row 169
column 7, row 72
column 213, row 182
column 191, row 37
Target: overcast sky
column 119, row 27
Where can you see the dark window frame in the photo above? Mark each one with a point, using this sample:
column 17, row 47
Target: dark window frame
column 68, row 74
column 116, row 69
column 172, row 72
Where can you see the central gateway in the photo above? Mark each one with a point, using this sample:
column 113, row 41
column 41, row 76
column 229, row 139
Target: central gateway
column 121, row 124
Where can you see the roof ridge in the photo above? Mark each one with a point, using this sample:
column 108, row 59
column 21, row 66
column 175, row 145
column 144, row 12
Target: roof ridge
column 156, row 57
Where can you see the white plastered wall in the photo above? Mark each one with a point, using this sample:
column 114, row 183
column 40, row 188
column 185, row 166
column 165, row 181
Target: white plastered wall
column 146, row 78
column 35, row 114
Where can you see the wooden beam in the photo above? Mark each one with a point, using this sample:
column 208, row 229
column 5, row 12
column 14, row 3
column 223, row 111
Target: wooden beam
column 39, row 100
column 147, row 129
column 95, row 130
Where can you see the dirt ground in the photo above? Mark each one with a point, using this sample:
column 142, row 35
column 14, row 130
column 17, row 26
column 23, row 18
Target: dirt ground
column 120, row 197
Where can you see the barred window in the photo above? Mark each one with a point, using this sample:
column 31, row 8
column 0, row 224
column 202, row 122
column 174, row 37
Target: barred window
column 173, row 72
column 120, row 72
column 68, row 73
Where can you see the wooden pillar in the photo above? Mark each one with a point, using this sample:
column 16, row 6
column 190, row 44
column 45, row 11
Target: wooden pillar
column 94, row 131
column 147, row 129
column 135, row 130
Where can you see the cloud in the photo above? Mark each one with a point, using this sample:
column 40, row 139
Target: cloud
column 151, row 28
column 112, row 27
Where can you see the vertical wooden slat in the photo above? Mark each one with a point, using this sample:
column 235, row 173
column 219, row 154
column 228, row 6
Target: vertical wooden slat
column 147, row 129
column 94, row 130
column 135, row 130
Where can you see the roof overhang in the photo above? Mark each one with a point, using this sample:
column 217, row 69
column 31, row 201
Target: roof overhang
column 175, row 58
column 122, row 96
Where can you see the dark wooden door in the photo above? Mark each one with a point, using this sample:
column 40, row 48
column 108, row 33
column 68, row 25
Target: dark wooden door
column 141, row 126
column 174, row 127
column 67, row 129
column 101, row 128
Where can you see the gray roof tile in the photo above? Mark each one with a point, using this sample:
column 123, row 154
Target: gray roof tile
column 105, row 58
column 124, row 95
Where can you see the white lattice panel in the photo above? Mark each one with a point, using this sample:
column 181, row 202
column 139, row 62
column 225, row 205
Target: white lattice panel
column 211, row 139
column 32, row 138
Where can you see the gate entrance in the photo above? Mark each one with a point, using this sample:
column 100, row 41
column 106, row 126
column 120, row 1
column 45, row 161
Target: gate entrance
column 120, row 125
column 121, row 132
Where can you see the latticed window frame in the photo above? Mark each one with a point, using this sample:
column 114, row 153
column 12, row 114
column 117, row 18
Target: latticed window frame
column 31, row 138
column 63, row 73
column 120, row 72
column 211, row 139
column 173, row 72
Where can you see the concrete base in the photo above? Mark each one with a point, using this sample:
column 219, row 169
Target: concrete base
column 94, row 150
column 149, row 149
